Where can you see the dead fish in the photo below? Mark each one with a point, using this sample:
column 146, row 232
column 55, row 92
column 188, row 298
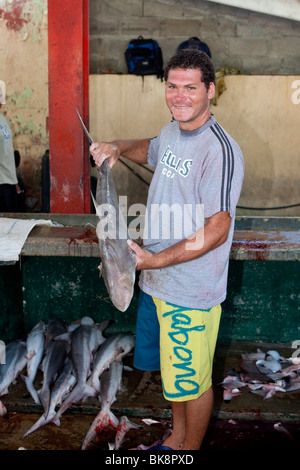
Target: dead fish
column 113, row 349
column 35, row 344
column 266, row 366
column 15, row 362
column 253, row 372
column 149, row 421
column 54, row 327
column 279, row 427
column 231, row 385
column 294, row 360
column 53, row 361
column 123, row 428
column 110, row 384
column 274, row 354
column 255, row 385
column 61, row 388
column 230, row 393
column 268, row 390
column 232, row 381
column 117, row 259
column 3, row 411
column 84, row 341
column 293, row 384
column 290, row 370
column 254, row 356
column 118, row 265
column 265, row 374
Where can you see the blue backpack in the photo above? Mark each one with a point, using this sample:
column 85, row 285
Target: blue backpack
column 144, row 57
column 195, row 43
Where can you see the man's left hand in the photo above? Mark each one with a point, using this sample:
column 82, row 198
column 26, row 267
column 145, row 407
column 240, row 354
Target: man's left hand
column 144, row 259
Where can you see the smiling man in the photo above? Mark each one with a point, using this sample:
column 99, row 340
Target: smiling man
column 184, row 277
column 188, row 97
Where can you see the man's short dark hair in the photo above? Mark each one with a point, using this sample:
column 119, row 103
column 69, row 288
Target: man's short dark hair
column 192, row 59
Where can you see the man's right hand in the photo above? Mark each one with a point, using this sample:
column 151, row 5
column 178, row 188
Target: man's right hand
column 104, row 150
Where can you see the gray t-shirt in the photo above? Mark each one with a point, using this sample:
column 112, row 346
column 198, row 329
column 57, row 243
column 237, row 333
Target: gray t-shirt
column 197, row 174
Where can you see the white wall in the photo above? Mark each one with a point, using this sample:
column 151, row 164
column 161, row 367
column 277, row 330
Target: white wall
column 261, row 112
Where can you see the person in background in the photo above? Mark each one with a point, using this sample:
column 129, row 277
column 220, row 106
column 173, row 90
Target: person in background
column 9, row 187
column 21, row 189
column 183, row 278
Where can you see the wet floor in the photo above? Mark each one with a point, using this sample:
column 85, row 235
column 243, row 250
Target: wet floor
column 222, row 435
column 247, row 423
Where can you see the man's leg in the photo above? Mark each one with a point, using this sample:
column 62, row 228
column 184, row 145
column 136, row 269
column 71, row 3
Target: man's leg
column 187, row 344
column 190, row 422
column 176, row 439
column 146, row 351
column 198, row 413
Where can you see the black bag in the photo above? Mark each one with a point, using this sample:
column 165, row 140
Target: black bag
column 144, row 57
column 195, row 43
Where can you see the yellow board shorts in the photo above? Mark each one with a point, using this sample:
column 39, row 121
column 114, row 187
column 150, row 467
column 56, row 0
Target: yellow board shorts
column 187, row 340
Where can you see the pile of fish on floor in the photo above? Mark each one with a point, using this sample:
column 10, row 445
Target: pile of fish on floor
column 77, row 362
column 264, row 374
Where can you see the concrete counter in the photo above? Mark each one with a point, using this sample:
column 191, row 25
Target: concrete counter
column 82, row 241
column 255, row 238
column 58, row 275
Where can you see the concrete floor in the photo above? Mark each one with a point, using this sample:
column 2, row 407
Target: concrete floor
column 247, row 421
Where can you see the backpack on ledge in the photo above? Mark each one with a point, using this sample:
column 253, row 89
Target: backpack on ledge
column 144, row 57
column 195, row 43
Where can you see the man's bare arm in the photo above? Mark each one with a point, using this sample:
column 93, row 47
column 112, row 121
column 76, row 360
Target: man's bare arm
column 213, row 234
column 135, row 150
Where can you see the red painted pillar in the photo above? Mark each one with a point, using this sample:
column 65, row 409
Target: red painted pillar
column 68, row 48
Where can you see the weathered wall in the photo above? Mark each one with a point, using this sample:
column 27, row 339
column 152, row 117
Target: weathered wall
column 24, row 69
column 127, row 107
column 263, row 115
column 255, row 43
column 260, row 112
